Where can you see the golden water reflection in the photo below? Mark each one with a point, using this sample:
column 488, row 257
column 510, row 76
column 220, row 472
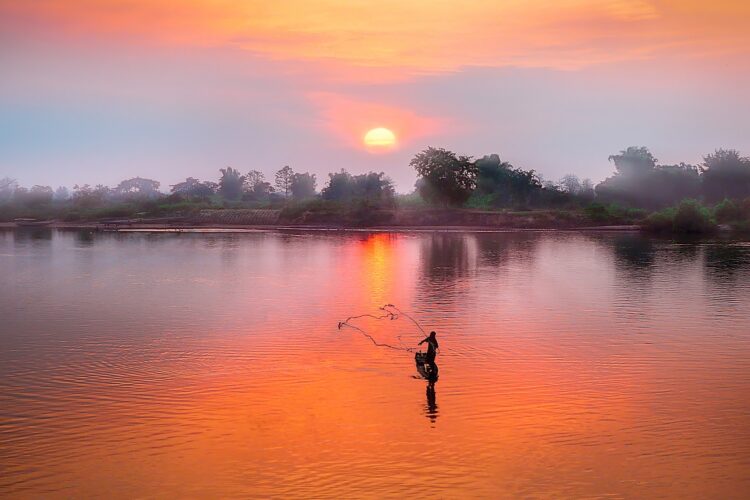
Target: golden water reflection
column 211, row 366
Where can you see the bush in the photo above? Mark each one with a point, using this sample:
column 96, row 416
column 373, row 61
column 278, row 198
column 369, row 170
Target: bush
column 364, row 213
column 660, row 222
column 728, row 211
column 480, row 201
column 692, row 217
column 113, row 212
column 295, row 211
column 613, row 213
column 411, row 200
column 597, row 212
column 689, row 217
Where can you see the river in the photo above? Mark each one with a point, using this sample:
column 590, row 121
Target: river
column 211, row 365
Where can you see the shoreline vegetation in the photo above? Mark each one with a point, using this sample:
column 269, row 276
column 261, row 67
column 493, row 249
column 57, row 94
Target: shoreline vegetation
column 451, row 191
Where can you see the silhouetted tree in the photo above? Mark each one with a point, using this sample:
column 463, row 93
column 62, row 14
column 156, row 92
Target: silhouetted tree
column 230, row 183
column 372, row 187
column 193, row 188
column 303, row 186
column 633, row 160
column 508, row 186
column 283, row 180
column 252, row 178
column 256, row 187
column 137, row 187
column 726, row 174
column 340, row 186
column 444, row 177
column 639, row 182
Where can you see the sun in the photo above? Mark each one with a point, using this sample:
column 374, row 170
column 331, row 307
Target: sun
column 380, row 138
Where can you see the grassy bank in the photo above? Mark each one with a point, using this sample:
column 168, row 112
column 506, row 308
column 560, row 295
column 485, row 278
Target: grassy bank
column 688, row 217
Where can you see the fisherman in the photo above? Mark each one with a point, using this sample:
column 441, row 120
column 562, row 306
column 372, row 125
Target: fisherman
column 432, row 346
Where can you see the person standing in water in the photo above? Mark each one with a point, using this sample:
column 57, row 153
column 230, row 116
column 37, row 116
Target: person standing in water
column 432, row 347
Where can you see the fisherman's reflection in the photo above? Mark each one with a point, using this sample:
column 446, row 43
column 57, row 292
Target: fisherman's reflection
column 431, row 410
column 428, row 369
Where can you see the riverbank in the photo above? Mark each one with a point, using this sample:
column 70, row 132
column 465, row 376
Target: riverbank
column 394, row 219
column 172, row 227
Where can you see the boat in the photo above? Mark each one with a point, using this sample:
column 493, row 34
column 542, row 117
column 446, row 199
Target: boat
column 426, row 370
column 30, row 222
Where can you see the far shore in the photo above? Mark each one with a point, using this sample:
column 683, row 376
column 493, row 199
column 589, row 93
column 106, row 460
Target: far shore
column 179, row 227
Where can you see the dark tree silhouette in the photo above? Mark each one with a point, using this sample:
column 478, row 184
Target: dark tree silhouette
column 444, row 177
column 726, row 174
column 372, row 187
column 302, row 186
column 230, row 183
column 638, row 181
column 507, row 185
column 283, row 180
column 634, row 160
column 193, row 188
column 137, row 187
column 256, row 187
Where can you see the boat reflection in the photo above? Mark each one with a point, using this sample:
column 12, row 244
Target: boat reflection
column 428, row 370
column 431, row 409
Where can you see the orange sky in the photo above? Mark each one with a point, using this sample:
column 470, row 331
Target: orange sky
column 420, row 35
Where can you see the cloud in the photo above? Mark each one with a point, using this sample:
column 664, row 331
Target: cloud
column 396, row 39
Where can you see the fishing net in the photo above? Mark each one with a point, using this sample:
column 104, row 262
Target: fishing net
column 389, row 312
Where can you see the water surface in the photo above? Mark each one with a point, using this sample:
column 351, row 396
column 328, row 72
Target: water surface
column 580, row 365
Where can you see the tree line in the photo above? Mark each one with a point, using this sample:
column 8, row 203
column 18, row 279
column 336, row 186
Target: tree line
column 638, row 181
column 444, row 178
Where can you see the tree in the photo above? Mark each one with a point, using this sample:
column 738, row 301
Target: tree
column 230, row 184
column 634, row 160
column 7, row 188
column 375, row 187
column 35, row 197
column 253, row 178
column 256, row 187
column 303, row 185
column 61, row 194
column 726, row 174
column 506, row 184
column 372, row 187
column 340, row 186
column 283, row 180
column 444, row 177
column 87, row 197
column 571, row 184
column 137, row 187
column 193, row 188
column 587, row 190
column 638, row 181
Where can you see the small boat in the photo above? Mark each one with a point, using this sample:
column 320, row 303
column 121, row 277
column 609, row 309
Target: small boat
column 426, row 370
column 29, row 222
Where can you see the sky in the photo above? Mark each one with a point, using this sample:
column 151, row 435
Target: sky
column 96, row 91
